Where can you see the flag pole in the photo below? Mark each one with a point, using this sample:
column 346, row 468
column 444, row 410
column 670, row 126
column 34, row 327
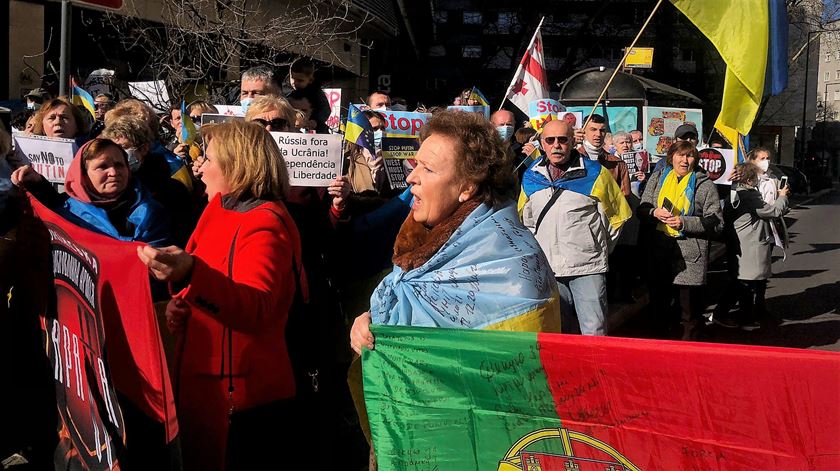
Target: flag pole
column 513, row 80
column 621, row 63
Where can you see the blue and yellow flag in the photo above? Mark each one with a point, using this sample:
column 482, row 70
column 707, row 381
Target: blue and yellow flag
column 81, row 98
column 491, row 274
column 187, row 133
column 476, row 95
column 358, row 129
column 592, row 180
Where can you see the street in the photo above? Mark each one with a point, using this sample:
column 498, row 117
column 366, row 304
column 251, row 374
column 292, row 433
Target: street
column 803, row 297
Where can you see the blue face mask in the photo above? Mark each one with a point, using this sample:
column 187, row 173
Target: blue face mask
column 505, row 132
column 377, row 139
column 245, row 104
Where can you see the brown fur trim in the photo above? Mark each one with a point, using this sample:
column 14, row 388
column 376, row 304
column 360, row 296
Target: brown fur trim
column 416, row 243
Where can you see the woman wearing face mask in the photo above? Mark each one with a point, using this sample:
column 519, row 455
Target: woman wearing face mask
column 365, row 170
column 132, row 133
column 101, row 195
column 749, row 246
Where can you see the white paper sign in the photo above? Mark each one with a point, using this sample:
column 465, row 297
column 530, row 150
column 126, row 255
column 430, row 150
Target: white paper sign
column 718, row 164
column 312, row 159
column 49, row 156
column 230, row 110
column 100, row 81
column 334, row 98
column 153, row 93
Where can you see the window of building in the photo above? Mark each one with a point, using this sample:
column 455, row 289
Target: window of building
column 827, row 56
column 472, row 17
column 438, row 50
column 441, row 16
column 502, row 59
column 688, row 55
column 838, row 75
column 471, row 52
column 837, row 55
column 827, row 77
column 836, row 95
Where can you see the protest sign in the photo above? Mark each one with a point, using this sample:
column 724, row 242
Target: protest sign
column 660, row 124
column 101, row 302
column 402, row 130
column 718, row 164
column 100, row 81
column 209, row 118
column 620, row 118
column 636, row 162
column 574, row 118
column 230, row 110
column 397, row 170
column 334, row 99
column 542, row 111
column 49, row 156
column 465, row 399
column 485, row 110
column 312, row 159
column 153, row 93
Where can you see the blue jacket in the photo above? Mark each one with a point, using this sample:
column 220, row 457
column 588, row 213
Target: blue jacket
column 151, row 224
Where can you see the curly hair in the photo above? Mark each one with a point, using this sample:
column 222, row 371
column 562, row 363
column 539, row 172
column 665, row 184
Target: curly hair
column 482, row 156
column 133, row 129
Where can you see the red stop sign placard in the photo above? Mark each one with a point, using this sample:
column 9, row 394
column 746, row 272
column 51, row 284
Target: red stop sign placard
column 109, row 4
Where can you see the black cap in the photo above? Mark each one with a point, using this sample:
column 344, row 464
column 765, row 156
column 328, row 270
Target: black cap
column 683, row 131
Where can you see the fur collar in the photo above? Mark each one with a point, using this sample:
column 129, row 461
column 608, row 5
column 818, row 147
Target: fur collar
column 416, row 243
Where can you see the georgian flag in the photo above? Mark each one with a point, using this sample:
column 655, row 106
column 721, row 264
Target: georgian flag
column 530, row 81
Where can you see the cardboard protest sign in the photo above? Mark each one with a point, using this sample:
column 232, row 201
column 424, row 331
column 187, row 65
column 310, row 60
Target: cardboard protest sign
column 660, row 124
column 542, row 111
column 209, row 118
column 485, row 110
column 718, row 164
column 620, row 118
column 154, row 93
column 402, row 130
column 334, row 99
column 49, row 156
column 397, row 170
column 100, row 81
column 312, row 159
column 230, row 110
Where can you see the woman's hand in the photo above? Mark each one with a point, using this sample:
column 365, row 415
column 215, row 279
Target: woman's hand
column 177, row 312
column 339, row 189
column 640, row 176
column 24, row 176
column 360, row 335
column 182, row 151
column 196, row 166
column 783, row 192
column 170, row 264
column 662, row 214
column 674, row 222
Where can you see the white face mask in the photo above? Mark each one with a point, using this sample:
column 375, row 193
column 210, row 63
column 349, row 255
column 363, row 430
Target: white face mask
column 591, row 150
column 638, row 146
column 505, row 132
column 764, row 165
column 377, row 139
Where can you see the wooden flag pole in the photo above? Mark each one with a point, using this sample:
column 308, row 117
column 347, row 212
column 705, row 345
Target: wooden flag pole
column 502, row 104
column 620, row 64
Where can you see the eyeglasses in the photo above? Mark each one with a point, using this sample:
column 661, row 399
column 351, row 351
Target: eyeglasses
column 276, row 124
column 560, row 139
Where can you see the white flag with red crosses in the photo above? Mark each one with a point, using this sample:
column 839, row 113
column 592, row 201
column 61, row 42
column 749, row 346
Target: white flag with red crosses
column 530, row 81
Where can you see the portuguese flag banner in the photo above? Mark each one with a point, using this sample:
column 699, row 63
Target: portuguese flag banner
column 442, row 399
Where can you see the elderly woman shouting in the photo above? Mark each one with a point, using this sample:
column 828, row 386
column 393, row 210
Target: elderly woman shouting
column 683, row 204
column 462, row 259
column 233, row 288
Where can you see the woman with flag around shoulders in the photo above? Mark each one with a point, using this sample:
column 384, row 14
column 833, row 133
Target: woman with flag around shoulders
column 681, row 204
column 462, row 259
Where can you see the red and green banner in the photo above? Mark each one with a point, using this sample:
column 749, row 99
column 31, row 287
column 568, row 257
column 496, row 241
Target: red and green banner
column 101, row 336
column 441, row 399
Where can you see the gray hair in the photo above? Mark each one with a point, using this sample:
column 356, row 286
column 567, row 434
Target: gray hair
column 622, row 135
column 262, row 74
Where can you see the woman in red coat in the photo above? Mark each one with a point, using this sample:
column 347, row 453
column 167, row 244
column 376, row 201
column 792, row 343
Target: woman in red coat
column 232, row 290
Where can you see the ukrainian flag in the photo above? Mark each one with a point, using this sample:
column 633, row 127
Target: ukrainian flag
column 81, row 98
column 476, row 95
column 187, row 132
column 593, row 180
column 358, row 129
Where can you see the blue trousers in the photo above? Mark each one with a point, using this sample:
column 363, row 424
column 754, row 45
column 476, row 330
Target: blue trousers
column 586, row 296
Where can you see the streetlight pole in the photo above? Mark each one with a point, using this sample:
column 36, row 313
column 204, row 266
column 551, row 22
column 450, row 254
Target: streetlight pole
column 805, row 99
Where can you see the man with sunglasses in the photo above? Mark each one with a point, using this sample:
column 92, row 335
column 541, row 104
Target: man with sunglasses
column 564, row 206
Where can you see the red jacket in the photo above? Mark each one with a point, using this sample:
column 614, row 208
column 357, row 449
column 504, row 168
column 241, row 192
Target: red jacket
column 255, row 242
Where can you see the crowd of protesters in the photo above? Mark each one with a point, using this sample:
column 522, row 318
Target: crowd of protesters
column 279, row 277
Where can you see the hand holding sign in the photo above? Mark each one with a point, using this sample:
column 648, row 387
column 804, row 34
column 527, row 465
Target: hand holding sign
column 167, row 263
column 25, row 176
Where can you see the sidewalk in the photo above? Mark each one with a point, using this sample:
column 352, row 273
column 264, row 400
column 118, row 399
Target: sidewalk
column 619, row 313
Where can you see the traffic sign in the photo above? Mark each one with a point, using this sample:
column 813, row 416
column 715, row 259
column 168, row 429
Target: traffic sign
column 640, row 58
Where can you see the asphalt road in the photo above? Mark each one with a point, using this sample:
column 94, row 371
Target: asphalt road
column 803, row 297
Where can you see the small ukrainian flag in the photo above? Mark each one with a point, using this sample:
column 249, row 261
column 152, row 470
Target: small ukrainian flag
column 358, row 129
column 476, row 95
column 187, row 132
column 81, row 98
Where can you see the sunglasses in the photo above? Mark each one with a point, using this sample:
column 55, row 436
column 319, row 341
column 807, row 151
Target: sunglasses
column 560, row 139
column 276, row 124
